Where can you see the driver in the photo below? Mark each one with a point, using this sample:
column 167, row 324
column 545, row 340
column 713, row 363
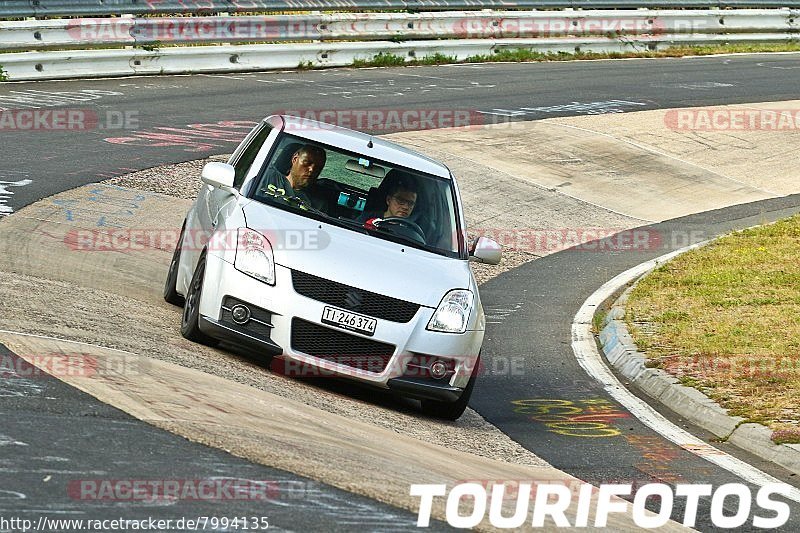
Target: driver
column 401, row 198
column 307, row 163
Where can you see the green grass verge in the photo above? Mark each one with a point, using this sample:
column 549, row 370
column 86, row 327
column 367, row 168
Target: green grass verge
column 725, row 319
column 786, row 436
column 598, row 321
column 524, row 55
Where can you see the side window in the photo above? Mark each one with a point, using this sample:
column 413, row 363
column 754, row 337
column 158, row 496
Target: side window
column 249, row 154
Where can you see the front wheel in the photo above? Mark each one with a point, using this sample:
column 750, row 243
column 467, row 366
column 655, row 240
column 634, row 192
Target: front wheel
column 190, row 323
column 452, row 410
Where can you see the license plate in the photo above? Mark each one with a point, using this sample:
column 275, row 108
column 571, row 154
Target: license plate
column 347, row 320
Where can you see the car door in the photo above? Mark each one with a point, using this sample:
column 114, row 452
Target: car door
column 212, row 204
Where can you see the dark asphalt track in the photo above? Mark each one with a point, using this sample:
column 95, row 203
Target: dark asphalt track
column 551, row 289
column 60, row 160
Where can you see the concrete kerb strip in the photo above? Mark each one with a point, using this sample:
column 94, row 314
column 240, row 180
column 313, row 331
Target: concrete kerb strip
column 621, row 351
column 286, row 434
column 588, row 356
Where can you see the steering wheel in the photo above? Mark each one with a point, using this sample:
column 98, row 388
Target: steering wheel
column 404, row 222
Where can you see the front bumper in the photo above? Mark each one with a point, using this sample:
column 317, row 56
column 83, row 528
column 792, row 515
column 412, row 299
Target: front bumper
column 228, row 332
column 424, row 389
column 407, row 340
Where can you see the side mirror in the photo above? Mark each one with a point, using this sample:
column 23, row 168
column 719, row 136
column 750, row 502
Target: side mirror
column 218, row 175
column 485, row 250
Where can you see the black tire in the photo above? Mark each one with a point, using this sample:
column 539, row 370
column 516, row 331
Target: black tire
column 452, row 410
column 170, row 293
column 190, row 322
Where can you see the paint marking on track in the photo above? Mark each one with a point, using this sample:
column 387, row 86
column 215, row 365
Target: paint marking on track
column 6, row 193
column 588, row 356
column 48, row 337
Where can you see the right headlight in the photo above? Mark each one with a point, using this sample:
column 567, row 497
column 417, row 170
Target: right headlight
column 254, row 256
column 453, row 312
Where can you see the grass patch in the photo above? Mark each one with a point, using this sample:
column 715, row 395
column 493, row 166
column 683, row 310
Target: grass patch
column 3, row 74
column 724, row 319
column 520, row 55
column 393, row 60
column 786, row 436
column 599, row 320
column 380, row 60
column 151, row 47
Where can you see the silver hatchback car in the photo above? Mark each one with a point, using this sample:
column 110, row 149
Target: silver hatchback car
column 342, row 253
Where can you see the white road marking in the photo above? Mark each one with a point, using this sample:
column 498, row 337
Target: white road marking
column 35, row 99
column 6, row 194
column 585, row 108
column 775, row 67
column 64, row 340
column 585, row 349
column 223, row 76
column 698, row 86
column 5, row 440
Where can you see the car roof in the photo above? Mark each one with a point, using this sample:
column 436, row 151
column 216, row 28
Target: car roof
column 356, row 141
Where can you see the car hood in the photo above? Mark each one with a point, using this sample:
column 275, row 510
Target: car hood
column 356, row 259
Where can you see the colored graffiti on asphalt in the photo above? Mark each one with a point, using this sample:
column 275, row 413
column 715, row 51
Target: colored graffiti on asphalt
column 591, row 417
column 104, row 206
column 193, row 137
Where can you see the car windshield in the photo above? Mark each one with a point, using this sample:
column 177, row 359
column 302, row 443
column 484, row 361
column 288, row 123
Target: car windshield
column 362, row 194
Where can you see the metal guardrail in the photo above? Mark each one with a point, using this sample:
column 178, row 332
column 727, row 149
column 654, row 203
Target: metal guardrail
column 88, row 33
column 459, row 34
column 244, row 58
column 83, row 8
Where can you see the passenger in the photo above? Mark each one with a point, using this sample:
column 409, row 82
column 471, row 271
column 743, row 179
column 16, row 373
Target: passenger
column 307, row 163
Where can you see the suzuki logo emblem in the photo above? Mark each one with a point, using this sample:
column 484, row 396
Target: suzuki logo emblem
column 354, row 299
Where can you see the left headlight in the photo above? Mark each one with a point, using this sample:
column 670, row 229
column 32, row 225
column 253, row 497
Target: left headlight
column 453, row 312
column 254, row 256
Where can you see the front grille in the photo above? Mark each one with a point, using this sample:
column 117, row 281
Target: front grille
column 340, row 347
column 352, row 298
